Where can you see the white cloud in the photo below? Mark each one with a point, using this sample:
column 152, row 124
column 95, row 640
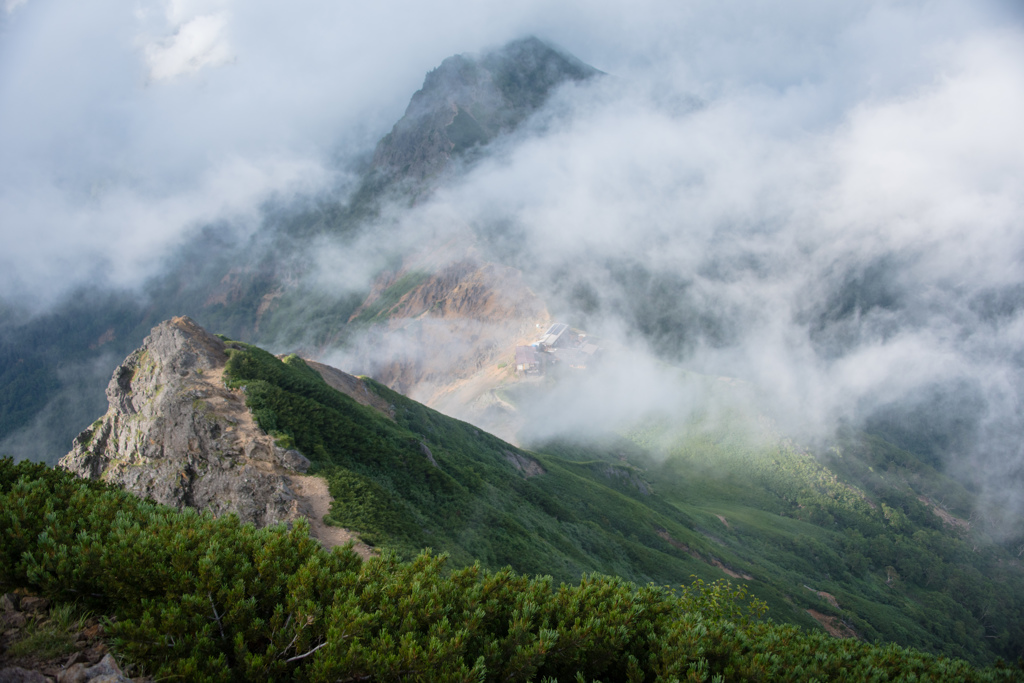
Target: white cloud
column 767, row 154
column 197, row 43
column 121, row 235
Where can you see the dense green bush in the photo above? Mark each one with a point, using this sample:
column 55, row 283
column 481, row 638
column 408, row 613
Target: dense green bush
column 849, row 522
column 204, row 599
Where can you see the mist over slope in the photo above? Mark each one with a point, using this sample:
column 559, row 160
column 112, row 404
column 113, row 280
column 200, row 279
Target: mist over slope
column 863, row 540
column 865, row 270
column 821, row 202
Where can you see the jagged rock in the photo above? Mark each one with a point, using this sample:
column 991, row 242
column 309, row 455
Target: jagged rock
column 528, row 466
column 105, row 671
column 73, row 674
column 10, row 602
column 176, row 434
column 106, row 667
column 430, row 456
column 31, row 604
column 468, row 100
column 628, row 476
column 12, row 620
column 293, row 460
column 15, row 674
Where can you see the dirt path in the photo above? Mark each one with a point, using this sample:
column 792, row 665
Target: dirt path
column 313, row 492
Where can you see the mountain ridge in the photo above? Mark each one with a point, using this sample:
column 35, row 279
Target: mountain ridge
column 894, row 566
column 175, row 434
column 469, row 100
column 822, row 540
column 263, row 290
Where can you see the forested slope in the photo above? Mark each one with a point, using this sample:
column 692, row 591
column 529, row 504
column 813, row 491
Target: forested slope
column 849, row 539
column 205, row 599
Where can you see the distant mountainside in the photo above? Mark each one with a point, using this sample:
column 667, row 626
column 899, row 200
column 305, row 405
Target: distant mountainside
column 53, row 366
column 468, row 101
column 863, row 535
column 851, row 541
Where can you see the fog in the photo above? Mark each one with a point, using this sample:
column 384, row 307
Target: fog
column 823, row 202
column 844, row 239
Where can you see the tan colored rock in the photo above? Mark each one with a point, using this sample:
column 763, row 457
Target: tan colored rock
column 176, row 434
column 73, row 674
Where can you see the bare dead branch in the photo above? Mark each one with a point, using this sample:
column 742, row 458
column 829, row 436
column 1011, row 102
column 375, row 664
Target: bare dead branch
column 306, row 654
column 216, row 616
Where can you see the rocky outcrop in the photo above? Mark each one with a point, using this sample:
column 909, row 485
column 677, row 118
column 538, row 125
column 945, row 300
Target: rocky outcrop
column 353, row 387
column 527, row 466
column 174, row 433
column 469, row 100
column 463, row 318
column 76, row 651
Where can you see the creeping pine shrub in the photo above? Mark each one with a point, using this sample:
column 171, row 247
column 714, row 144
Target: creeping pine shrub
column 204, row 599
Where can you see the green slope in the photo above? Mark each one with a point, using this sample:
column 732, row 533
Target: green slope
column 843, row 534
column 189, row 597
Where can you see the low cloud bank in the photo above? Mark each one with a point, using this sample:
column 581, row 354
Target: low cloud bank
column 852, row 258
column 823, row 202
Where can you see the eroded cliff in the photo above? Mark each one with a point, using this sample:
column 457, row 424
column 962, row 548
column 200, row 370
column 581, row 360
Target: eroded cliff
column 176, row 434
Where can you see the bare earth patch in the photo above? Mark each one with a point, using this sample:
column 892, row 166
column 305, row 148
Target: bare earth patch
column 835, row 627
column 229, row 404
column 312, row 491
column 830, row 598
column 713, row 561
column 731, row 572
column 946, row 517
column 313, row 497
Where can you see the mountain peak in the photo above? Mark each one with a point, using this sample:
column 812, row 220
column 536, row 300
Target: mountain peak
column 469, row 100
column 175, row 433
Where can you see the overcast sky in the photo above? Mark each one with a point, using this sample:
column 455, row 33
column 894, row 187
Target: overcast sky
column 124, row 125
column 785, row 147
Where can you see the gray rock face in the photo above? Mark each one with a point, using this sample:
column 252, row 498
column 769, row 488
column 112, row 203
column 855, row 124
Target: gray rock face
column 176, row 434
column 469, row 100
column 15, row 674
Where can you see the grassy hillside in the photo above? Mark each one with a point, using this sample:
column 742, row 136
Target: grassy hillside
column 424, row 479
column 849, row 537
column 195, row 598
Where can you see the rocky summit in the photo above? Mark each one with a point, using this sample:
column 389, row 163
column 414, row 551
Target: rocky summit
column 174, row 433
column 469, row 100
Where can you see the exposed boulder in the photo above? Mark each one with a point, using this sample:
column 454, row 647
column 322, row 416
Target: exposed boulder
column 174, row 433
column 526, row 465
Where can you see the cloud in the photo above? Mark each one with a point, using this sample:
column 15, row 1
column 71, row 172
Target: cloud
column 196, row 44
column 822, row 200
column 847, row 239
column 126, row 234
column 108, row 108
